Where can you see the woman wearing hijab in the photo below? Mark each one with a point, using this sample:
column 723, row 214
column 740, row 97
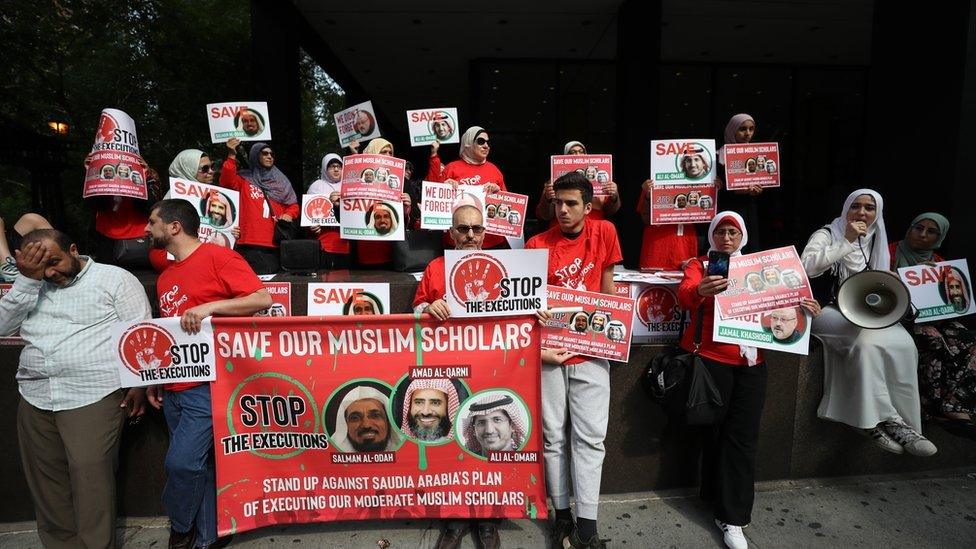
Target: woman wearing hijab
column 378, row 254
column 602, row 207
column 947, row 358
column 729, row 446
column 740, row 129
column 266, row 196
column 335, row 250
column 870, row 378
column 473, row 168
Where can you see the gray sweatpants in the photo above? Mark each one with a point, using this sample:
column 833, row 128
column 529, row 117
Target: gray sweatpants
column 580, row 396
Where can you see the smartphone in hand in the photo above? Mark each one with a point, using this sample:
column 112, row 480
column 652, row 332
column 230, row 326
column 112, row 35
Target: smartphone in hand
column 718, row 263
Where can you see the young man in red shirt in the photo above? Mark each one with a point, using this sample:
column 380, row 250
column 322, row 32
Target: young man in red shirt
column 205, row 280
column 575, row 389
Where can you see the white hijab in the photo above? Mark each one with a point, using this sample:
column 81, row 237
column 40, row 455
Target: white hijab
column 324, row 184
column 468, row 145
column 875, row 243
column 751, row 354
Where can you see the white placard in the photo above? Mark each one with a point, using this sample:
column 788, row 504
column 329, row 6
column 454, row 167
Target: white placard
column 495, row 282
column 347, row 298
column 786, row 330
column 158, row 351
column 357, row 123
column 218, row 208
column 247, row 120
column 438, row 200
column 943, row 291
column 683, row 161
column 317, row 209
column 429, row 125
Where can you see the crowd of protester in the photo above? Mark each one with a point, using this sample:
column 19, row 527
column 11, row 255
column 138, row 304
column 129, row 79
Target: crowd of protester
column 879, row 382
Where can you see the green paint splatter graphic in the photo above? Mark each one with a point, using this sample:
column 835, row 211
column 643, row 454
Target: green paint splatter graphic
column 233, row 526
column 258, row 354
column 229, row 366
column 522, row 361
column 460, row 456
column 417, row 340
column 532, row 478
column 308, row 362
column 301, row 466
column 223, row 489
column 532, row 511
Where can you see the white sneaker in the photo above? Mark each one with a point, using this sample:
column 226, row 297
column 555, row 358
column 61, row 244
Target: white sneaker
column 883, row 440
column 734, row 538
column 913, row 441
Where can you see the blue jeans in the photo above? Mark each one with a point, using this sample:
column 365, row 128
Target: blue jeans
column 190, row 494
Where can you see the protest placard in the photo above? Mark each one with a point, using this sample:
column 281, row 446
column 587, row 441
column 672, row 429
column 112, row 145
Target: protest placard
column 357, row 123
column 348, row 298
column 317, row 209
column 290, row 447
column 429, row 125
column 247, row 120
column 114, row 167
column 438, row 201
column 939, row 292
column 598, row 168
column 748, row 164
column 217, row 207
column 658, row 317
column 671, row 204
column 14, row 338
column 600, row 327
column 505, row 213
column 495, row 283
column 683, row 161
column 786, row 329
column 763, row 281
column 372, row 219
column 372, row 177
column 280, row 299
column 157, row 351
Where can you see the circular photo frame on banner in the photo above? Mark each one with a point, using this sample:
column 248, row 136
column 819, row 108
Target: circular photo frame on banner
column 580, row 322
column 787, row 325
column 442, row 126
column 493, row 420
column 357, row 419
column 383, row 218
column 424, row 410
column 363, row 304
column 616, row 331
column 598, row 321
column 217, row 210
column 249, row 121
column 695, row 164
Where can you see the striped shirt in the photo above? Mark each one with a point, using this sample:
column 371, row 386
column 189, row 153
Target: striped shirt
column 69, row 361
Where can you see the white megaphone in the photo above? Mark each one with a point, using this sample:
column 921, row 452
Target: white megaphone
column 873, row 299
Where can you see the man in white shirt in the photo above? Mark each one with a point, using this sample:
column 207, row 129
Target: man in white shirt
column 72, row 409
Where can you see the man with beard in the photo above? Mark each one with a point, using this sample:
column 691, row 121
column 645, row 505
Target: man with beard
column 580, row 323
column 694, row 165
column 955, row 292
column 362, row 424
column 362, row 304
column 217, row 210
column 782, row 323
column 382, row 218
column 250, row 123
column 204, row 280
column 72, row 407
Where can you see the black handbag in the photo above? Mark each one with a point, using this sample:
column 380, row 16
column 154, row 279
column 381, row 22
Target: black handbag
column 286, row 230
column 132, row 253
column 417, row 250
column 679, row 381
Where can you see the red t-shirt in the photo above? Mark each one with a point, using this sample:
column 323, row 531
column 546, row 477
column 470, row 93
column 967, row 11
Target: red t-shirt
column 331, row 242
column 579, row 262
column 468, row 174
column 666, row 246
column 211, row 273
column 123, row 222
column 433, row 284
column 689, row 299
column 256, row 222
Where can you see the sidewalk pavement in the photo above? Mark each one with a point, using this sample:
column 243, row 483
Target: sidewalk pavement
column 932, row 509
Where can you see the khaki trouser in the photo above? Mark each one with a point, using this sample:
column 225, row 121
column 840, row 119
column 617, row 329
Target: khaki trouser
column 70, row 458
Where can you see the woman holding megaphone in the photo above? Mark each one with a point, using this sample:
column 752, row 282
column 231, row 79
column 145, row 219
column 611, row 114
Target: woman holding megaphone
column 870, row 375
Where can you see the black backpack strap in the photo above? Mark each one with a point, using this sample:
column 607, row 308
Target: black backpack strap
column 698, row 328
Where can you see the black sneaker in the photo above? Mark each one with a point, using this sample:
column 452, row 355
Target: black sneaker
column 179, row 540
column 574, row 542
column 560, row 530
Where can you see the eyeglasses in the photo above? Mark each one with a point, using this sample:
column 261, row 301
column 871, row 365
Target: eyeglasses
column 731, row 233
column 481, row 141
column 267, row 153
column 922, row 229
column 206, row 169
column 463, row 229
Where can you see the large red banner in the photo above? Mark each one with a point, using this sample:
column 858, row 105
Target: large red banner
column 351, row 418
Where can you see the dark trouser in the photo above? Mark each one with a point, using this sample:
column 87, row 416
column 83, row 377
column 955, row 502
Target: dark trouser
column 70, row 458
column 262, row 259
column 728, row 467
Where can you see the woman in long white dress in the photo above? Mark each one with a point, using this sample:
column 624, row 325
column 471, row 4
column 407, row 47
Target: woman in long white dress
column 870, row 376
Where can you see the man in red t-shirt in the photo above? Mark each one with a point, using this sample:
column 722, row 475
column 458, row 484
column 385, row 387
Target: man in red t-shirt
column 205, row 280
column 576, row 390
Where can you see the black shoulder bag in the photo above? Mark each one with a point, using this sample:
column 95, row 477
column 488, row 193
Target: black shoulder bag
column 679, row 381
